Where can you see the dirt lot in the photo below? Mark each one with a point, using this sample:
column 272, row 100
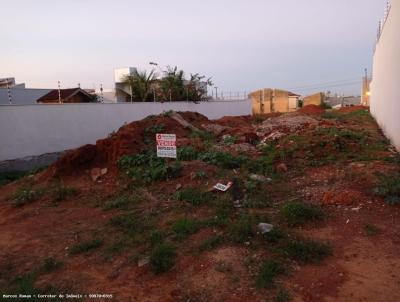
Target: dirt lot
column 112, row 218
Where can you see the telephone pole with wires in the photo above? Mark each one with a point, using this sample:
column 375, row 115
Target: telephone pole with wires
column 9, row 91
column 59, row 92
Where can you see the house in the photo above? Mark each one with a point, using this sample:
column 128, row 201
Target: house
column 273, row 100
column 314, row 99
column 70, row 95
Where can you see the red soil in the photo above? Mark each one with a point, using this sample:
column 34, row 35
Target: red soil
column 312, row 109
column 352, row 109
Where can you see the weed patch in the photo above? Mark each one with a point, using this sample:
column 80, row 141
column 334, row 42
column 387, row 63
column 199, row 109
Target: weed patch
column 269, row 271
column 120, row 202
column 306, row 250
column 371, row 230
column 185, row 227
column 162, row 258
column 61, row 192
column 187, row 153
column 210, row 243
column 298, row 213
column 223, row 159
column 389, row 188
column 26, row 195
column 242, row 229
column 85, row 247
column 194, row 196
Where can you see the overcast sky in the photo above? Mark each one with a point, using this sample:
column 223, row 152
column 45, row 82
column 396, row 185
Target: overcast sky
column 241, row 44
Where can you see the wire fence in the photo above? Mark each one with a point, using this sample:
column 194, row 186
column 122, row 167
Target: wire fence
column 216, row 95
column 382, row 22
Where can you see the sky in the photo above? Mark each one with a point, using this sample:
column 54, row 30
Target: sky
column 243, row 45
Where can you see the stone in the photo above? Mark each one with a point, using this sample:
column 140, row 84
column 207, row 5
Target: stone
column 282, row 168
column 95, row 174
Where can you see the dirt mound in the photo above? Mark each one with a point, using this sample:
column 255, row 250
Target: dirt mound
column 235, row 121
column 129, row 139
column 352, row 109
column 312, row 109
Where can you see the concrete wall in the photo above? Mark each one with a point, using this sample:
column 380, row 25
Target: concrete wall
column 314, row 99
column 22, row 96
column 32, row 130
column 385, row 88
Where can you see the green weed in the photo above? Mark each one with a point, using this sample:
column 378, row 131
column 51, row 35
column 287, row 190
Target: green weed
column 210, row 243
column 242, row 229
column 194, row 196
column 26, row 195
column 269, row 271
column 371, row 230
column 185, row 227
column 162, row 258
column 298, row 213
column 187, row 153
column 223, row 159
column 306, row 250
column 61, row 192
column 389, row 188
column 85, row 247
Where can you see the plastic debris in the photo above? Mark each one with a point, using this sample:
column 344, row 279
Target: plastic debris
column 222, row 187
column 265, row 227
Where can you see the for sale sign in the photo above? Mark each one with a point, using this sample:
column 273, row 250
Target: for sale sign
column 166, row 145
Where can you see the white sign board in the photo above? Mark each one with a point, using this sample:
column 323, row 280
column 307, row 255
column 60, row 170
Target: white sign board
column 166, row 145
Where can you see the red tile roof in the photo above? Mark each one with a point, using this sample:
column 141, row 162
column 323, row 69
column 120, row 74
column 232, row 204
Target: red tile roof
column 65, row 94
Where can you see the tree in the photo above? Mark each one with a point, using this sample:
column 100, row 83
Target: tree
column 197, row 88
column 172, row 85
column 140, row 84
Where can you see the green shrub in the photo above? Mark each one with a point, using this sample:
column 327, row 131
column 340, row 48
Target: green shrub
column 86, row 246
column 389, row 188
column 298, row 213
column 50, row 264
column 229, row 140
column 120, row 202
column 156, row 238
column 210, row 243
column 306, row 250
column 187, row 153
column 62, row 192
column 194, row 196
column 25, row 195
column 269, row 271
column 148, row 168
column 223, row 159
column 185, row 227
column 126, row 222
column 371, row 230
column 282, row 296
column 10, row 176
column 162, row 258
column 242, row 229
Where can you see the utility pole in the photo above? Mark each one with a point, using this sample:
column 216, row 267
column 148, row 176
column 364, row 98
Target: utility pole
column 131, row 94
column 59, row 92
column 216, row 92
column 8, row 91
column 101, row 93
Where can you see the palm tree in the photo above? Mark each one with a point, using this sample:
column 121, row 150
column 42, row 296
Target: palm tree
column 140, row 84
column 172, row 85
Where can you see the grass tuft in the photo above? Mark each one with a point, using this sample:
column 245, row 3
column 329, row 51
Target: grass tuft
column 194, row 196
column 184, row 227
column 389, row 188
column 269, row 271
column 298, row 213
column 162, row 258
column 26, row 195
column 85, row 247
column 306, row 250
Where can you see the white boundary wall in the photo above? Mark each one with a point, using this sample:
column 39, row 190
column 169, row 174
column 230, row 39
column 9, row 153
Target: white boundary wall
column 31, row 130
column 385, row 85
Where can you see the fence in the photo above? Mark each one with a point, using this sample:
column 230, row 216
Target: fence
column 32, row 130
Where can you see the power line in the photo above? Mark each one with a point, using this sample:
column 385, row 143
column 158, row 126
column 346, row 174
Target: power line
column 325, row 83
column 328, row 86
